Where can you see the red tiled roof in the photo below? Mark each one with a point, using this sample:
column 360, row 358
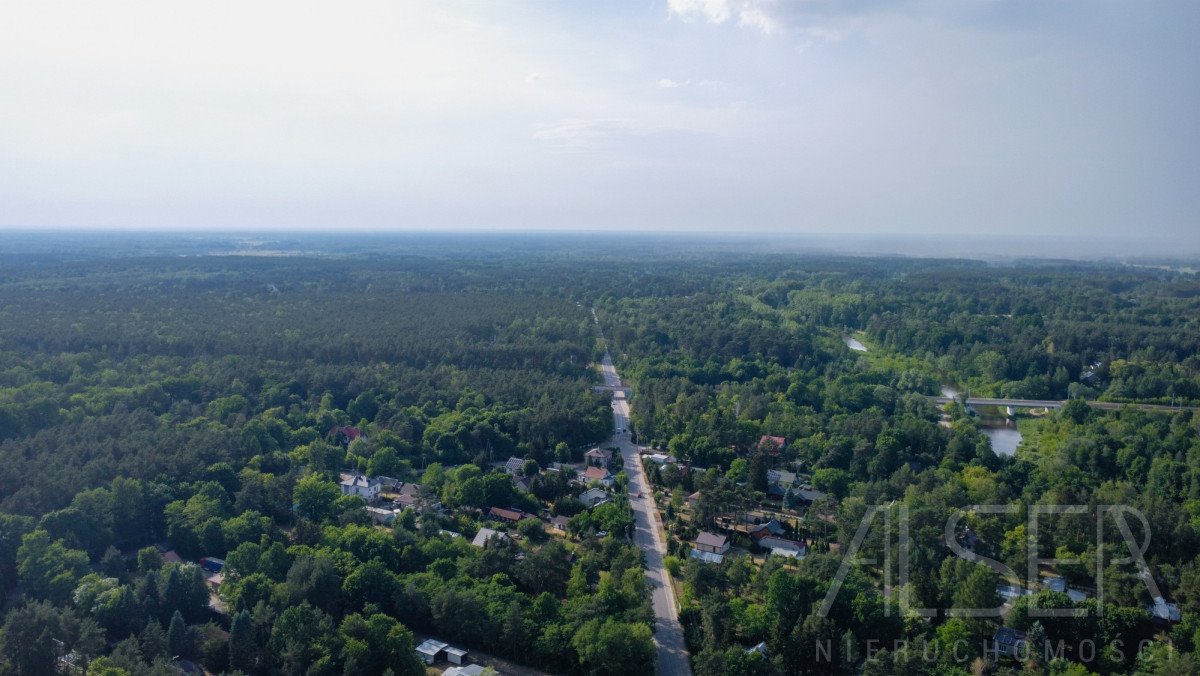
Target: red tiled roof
column 596, row 473
column 351, row 433
column 507, row 514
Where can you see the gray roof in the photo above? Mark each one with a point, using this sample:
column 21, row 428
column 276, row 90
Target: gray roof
column 360, row 481
column 485, row 534
column 593, row 496
column 710, row 539
column 1007, row 636
column 707, row 557
column 431, row 647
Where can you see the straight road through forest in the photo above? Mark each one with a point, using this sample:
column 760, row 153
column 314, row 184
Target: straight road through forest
column 668, row 633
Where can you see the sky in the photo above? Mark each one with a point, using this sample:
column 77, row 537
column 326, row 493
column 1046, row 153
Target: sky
column 1072, row 118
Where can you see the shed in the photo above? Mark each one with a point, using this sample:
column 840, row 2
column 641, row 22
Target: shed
column 431, row 651
column 456, row 655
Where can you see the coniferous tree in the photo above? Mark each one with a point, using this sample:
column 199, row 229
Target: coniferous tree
column 177, row 635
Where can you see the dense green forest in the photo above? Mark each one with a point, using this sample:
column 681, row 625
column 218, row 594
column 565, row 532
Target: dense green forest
column 204, row 405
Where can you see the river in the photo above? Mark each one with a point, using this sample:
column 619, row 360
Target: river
column 1002, row 432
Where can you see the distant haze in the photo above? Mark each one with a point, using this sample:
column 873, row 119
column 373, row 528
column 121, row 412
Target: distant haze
column 876, row 120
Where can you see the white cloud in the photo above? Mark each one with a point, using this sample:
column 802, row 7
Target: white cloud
column 275, row 113
column 749, row 13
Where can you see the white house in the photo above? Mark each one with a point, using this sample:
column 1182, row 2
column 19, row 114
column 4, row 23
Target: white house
column 367, row 489
column 599, row 475
column 597, row 457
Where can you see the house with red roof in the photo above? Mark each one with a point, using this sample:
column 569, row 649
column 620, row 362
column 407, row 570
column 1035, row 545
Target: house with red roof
column 772, row 445
column 599, row 475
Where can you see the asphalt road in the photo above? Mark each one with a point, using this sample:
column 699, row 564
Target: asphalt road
column 668, row 633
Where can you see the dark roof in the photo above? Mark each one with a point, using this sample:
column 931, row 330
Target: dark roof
column 1007, row 636
column 710, row 539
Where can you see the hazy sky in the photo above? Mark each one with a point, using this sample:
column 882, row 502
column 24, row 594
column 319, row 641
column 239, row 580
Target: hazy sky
column 842, row 116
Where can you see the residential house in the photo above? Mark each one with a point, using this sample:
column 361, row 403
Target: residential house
column 782, row 547
column 600, row 475
column 781, row 477
column 486, row 535
column 468, row 670
column 803, row 497
column 598, row 457
column 779, row 482
column 346, row 434
column 388, row 483
column 772, row 527
column 357, row 484
column 659, row 458
column 408, row 496
column 1009, row 642
column 772, row 445
column 560, row 522
column 381, row 516
column 692, row 500
column 510, row 515
column 594, row 497
column 523, row 483
column 711, row 542
column 514, row 465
